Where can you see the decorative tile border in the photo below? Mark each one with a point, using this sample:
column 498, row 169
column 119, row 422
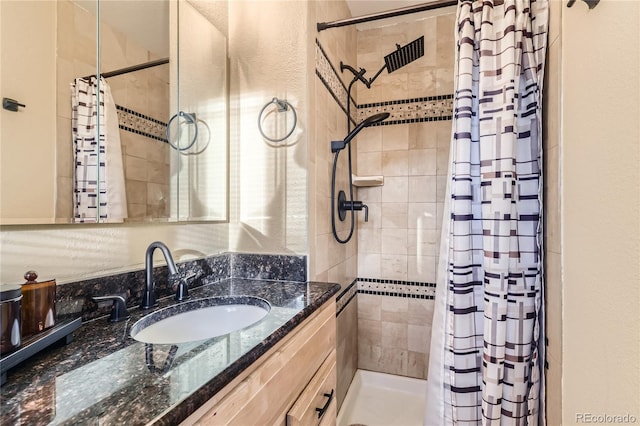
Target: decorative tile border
column 397, row 288
column 380, row 287
column 332, row 81
column 432, row 108
column 135, row 122
column 346, row 297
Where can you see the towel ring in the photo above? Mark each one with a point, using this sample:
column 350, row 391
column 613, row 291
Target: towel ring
column 281, row 106
column 192, row 120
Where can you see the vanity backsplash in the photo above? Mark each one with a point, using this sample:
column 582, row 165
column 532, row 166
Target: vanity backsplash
column 74, row 299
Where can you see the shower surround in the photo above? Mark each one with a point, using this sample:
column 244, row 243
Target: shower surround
column 398, row 247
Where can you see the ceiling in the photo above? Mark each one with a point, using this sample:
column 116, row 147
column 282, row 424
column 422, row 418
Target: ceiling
column 366, row 7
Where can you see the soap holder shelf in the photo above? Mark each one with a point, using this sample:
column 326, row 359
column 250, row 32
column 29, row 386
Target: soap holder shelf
column 362, row 181
column 34, row 344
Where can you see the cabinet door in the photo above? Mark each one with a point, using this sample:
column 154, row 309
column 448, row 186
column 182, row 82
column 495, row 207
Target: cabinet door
column 317, row 403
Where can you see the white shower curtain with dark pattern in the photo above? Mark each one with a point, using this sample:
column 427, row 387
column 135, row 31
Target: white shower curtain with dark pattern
column 485, row 365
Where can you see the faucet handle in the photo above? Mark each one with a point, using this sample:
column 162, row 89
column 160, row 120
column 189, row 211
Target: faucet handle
column 118, row 308
column 182, row 288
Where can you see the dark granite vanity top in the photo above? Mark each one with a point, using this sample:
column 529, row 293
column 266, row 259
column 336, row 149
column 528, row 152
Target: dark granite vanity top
column 106, row 377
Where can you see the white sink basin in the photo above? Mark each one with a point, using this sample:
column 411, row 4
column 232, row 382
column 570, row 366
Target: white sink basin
column 200, row 319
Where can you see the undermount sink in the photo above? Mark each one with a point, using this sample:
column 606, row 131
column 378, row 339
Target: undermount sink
column 200, row 319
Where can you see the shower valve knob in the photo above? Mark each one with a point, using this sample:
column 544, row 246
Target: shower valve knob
column 355, row 205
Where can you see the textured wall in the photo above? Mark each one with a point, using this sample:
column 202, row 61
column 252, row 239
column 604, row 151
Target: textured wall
column 600, row 154
column 268, row 58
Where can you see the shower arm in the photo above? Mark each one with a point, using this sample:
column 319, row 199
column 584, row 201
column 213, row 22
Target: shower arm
column 372, row 79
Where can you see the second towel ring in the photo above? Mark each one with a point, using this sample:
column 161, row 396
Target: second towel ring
column 190, row 117
column 282, row 106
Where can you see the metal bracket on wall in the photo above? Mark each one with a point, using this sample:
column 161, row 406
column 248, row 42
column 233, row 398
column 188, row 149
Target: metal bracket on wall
column 590, row 3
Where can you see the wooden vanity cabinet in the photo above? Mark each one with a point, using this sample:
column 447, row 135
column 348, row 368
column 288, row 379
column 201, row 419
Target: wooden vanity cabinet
column 285, row 385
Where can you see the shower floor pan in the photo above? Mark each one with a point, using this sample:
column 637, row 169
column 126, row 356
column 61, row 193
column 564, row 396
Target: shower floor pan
column 379, row 399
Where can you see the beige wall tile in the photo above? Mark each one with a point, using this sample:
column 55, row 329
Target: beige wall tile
column 369, row 164
column 395, row 137
column 369, row 307
column 422, row 162
column 395, row 189
column 395, row 335
column 420, row 311
column 421, row 268
column 394, row 309
column 135, row 168
column 394, row 241
column 370, row 240
column 395, row 163
column 369, row 139
column 393, row 361
column 422, row 189
column 369, row 265
column 394, row 215
column 393, row 267
column 369, row 332
column 422, row 242
column 369, row 357
column 371, row 194
column 419, row 337
column 418, row 365
column 422, row 135
column 442, row 161
column 421, row 215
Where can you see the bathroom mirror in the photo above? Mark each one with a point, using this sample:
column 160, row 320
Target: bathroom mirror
column 162, row 62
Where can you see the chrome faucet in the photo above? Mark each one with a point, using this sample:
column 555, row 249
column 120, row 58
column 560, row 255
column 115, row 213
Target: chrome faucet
column 149, row 295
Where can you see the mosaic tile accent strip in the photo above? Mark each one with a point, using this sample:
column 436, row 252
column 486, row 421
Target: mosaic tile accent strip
column 397, row 288
column 332, row 81
column 346, row 297
column 141, row 124
column 432, row 108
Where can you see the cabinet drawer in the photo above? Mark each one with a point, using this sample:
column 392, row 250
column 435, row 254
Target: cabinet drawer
column 317, row 403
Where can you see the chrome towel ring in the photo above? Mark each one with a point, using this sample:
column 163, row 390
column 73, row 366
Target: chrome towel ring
column 281, row 106
column 190, row 117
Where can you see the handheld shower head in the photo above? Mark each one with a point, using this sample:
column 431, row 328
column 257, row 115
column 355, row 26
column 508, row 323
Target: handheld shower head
column 372, row 119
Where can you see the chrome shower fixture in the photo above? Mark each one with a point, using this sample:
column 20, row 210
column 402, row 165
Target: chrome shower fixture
column 372, row 119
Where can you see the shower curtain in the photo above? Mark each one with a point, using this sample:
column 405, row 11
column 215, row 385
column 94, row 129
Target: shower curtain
column 485, row 366
column 99, row 188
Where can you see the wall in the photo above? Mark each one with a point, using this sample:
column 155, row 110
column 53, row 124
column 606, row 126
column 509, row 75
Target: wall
column 398, row 248
column 27, row 146
column 330, row 260
column 600, row 211
column 268, row 187
column 552, row 224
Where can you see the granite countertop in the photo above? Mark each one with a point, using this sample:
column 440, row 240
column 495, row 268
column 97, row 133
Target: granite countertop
column 106, row 377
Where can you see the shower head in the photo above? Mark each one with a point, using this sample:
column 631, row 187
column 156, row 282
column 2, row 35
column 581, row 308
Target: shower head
column 372, row 119
column 404, row 55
